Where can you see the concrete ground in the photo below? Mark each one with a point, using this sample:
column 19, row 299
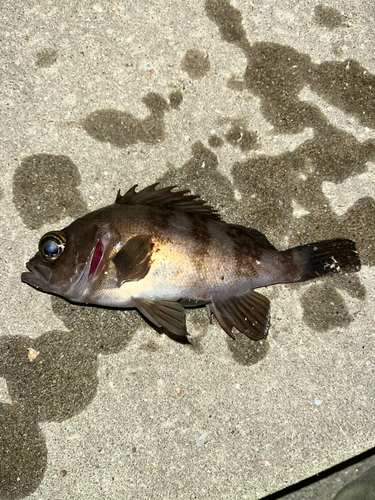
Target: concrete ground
column 267, row 111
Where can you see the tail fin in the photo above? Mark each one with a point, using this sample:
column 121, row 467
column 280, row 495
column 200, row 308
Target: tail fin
column 326, row 257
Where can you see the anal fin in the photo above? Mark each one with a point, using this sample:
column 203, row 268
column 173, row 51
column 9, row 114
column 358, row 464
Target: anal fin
column 164, row 313
column 249, row 313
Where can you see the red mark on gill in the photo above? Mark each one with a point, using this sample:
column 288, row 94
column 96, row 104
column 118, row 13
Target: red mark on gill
column 96, row 264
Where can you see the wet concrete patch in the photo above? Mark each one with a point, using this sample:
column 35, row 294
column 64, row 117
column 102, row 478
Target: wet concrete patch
column 238, row 136
column 45, row 190
column 324, row 308
column 200, row 174
column 196, row 63
column 46, row 58
column 347, row 85
column 52, row 378
column 328, row 17
column 23, row 453
column 245, row 351
column 199, row 318
column 109, row 330
column 175, row 99
column 122, row 129
column 150, row 346
column 350, row 284
column 229, row 21
column 214, row 141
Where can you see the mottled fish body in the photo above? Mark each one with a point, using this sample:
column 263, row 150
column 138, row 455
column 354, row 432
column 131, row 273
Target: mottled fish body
column 160, row 251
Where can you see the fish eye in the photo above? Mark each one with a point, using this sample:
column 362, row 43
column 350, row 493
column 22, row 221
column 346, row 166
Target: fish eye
column 52, row 245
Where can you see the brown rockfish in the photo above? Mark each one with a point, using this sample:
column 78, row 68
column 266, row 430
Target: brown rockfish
column 162, row 250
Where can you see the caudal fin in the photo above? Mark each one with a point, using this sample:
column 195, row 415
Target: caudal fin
column 326, row 257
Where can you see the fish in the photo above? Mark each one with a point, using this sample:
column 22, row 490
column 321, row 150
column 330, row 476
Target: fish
column 161, row 250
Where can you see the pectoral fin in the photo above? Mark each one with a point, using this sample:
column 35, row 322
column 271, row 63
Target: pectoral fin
column 133, row 260
column 249, row 313
column 164, row 313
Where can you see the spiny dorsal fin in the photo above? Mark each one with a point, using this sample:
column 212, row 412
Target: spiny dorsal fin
column 179, row 200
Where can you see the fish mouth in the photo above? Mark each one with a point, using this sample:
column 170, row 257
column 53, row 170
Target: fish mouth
column 36, row 277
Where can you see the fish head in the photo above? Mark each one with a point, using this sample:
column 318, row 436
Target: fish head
column 69, row 260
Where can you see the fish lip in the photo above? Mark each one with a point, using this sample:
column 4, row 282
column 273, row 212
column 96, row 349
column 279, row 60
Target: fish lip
column 27, row 277
column 32, row 280
column 35, row 277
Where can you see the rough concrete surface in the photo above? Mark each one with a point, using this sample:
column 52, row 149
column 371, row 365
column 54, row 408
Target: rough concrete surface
column 266, row 110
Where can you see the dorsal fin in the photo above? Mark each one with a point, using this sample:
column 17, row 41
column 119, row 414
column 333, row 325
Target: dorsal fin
column 165, row 197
